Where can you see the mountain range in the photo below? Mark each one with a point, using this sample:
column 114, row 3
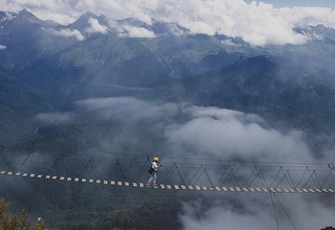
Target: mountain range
column 49, row 69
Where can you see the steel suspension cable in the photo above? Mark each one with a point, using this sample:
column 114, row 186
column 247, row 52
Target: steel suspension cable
column 313, row 178
column 276, row 176
column 208, row 177
column 288, row 173
column 170, row 175
column 195, row 174
column 222, row 175
column 308, row 179
column 66, row 169
column 302, row 178
column 317, row 180
column 82, row 170
column 285, row 211
column 199, row 177
column 32, row 162
column 118, row 162
column 36, row 162
column 327, row 178
column 168, row 172
column 274, row 210
column 54, row 164
column 226, row 177
column 234, row 175
column 249, row 176
column 23, row 162
column 141, row 172
column 180, row 175
column 96, row 174
column 254, row 178
column 110, row 172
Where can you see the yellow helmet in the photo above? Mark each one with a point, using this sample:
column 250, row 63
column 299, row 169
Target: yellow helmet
column 156, row 159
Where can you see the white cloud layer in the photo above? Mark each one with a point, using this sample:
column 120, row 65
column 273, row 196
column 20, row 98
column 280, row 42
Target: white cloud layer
column 256, row 23
column 2, row 47
column 96, row 27
column 67, row 33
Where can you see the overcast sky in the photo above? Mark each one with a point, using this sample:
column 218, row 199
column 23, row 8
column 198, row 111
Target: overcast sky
column 256, row 22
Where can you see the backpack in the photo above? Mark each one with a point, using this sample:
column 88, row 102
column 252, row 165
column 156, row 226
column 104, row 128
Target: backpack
column 151, row 170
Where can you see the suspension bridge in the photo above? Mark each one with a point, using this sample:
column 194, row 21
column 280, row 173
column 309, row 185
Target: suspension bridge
column 224, row 176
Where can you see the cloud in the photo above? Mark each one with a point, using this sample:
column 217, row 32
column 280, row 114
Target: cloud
column 67, row 33
column 56, row 118
column 2, row 47
column 207, row 131
column 226, row 133
column 256, row 23
column 256, row 212
column 137, row 32
column 96, row 27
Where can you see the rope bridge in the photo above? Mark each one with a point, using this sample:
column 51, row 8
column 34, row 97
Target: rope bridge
column 231, row 177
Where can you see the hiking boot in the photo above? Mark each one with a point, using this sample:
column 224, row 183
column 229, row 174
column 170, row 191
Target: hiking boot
column 148, row 185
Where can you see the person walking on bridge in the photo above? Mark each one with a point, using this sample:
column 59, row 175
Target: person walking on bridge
column 153, row 172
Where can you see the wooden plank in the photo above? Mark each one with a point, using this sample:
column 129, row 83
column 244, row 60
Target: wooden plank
column 197, row 187
column 39, row 176
column 47, row 177
column 98, row 181
column 279, row 190
column 119, row 183
column 225, row 189
column 218, row 188
column 204, row 188
column 265, row 190
column 126, row 184
column 69, row 179
column 112, row 182
column 54, row 177
column 62, row 178
column 17, row 174
column 134, row 184
column 231, row 189
column 162, row 186
column 183, row 187
column 245, row 190
column 2, row 172
column 305, row 190
column 105, row 181
column 90, row 180
column 285, row 190
column 168, row 187
column 190, row 187
column 238, row 189
column 76, row 179
column 252, row 189
column 211, row 188
column 83, row 180
column 9, row 173
column 259, row 190
column 298, row 190
column 324, row 190
column 331, row 190
column 318, row 190
column 311, row 190
column 141, row 185
column 25, row 174
column 292, row 190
